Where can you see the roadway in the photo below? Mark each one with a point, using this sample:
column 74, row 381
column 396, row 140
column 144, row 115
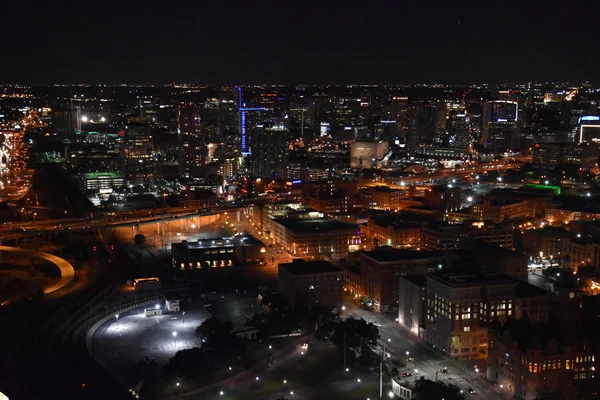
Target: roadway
column 67, row 272
column 24, row 228
column 516, row 162
column 427, row 360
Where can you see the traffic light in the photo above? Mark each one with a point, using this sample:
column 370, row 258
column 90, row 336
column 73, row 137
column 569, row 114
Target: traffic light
column 112, row 246
column 94, row 248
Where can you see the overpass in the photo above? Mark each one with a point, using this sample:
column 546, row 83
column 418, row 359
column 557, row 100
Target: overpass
column 23, row 229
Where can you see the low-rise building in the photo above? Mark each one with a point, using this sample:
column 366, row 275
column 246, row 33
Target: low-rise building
column 313, row 236
column 384, row 198
column 411, row 304
column 335, row 205
column 489, row 257
column 101, row 182
column 532, row 303
column 217, row 252
column 459, row 305
column 573, row 208
column 532, row 361
column 445, row 236
column 307, row 283
column 382, row 268
column 545, row 243
column 498, row 210
column 581, row 252
column 391, row 230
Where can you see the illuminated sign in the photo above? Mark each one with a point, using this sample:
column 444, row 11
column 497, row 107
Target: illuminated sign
column 589, row 118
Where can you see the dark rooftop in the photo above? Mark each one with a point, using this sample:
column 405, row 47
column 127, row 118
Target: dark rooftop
column 314, row 224
column 470, row 278
column 525, row 289
column 387, row 254
column 301, row 267
column 418, row 280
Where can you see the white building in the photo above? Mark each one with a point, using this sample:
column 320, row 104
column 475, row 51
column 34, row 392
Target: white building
column 368, row 153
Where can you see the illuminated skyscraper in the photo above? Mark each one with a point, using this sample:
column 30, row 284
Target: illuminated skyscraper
column 499, row 125
column 421, row 126
column 588, row 129
column 459, row 129
column 269, row 150
column 190, row 141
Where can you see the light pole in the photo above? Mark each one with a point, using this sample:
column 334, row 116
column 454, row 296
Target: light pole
column 175, row 338
column 345, row 353
column 292, row 394
column 381, row 372
column 358, row 382
column 183, row 318
column 117, row 317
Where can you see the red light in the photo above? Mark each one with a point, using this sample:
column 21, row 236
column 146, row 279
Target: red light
column 94, row 248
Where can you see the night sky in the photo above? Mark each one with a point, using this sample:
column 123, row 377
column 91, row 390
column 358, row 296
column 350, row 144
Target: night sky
column 235, row 42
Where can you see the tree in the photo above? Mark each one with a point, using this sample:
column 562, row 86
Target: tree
column 185, row 363
column 139, row 239
column 319, row 315
column 218, row 340
column 213, row 326
column 355, row 334
column 437, row 390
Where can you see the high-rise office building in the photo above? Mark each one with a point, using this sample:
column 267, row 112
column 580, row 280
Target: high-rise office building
column 421, row 126
column 190, row 141
column 499, row 125
column 588, row 129
column 137, row 153
column 459, row 129
column 269, row 150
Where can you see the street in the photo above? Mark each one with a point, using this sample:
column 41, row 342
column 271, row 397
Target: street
column 426, row 360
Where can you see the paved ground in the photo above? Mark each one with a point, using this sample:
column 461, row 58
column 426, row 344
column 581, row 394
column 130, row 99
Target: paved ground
column 537, row 279
column 123, row 344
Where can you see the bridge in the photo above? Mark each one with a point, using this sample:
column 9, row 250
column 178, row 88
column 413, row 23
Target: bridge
column 21, row 229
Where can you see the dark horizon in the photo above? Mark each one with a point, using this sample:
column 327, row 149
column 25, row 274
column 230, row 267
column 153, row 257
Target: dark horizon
column 158, row 42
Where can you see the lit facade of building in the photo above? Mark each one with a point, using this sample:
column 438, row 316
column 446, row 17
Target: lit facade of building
column 313, row 236
column 382, row 268
column 368, row 154
column 308, row 283
column 498, row 211
column 459, row 305
column 531, row 361
column 443, row 236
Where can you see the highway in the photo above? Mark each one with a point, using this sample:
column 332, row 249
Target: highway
column 515, row 162
column 19, row 229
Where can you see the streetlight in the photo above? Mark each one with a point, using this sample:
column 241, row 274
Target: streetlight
column 184, row 318
column 358, row 382
column 117, row 317
column 175, row 338
column 390, row 394
column 257, row 378
column 284, row 381
column 343, row 308
column 221, row 393
column 292, row 394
